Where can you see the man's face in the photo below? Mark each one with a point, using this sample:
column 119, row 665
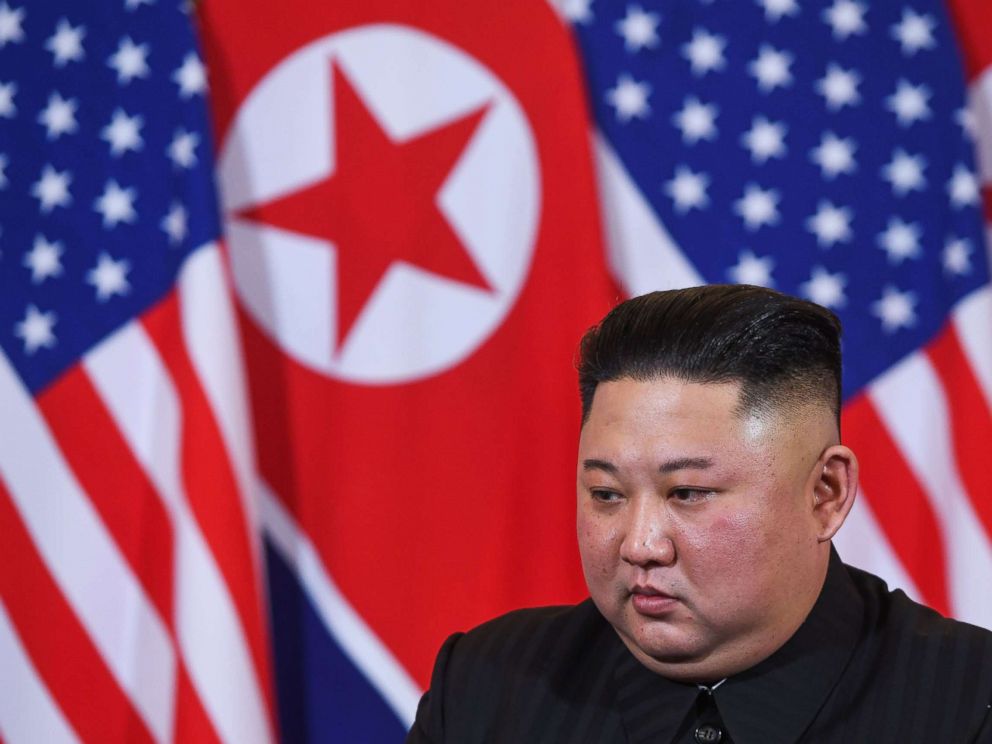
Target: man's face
column 695, row 522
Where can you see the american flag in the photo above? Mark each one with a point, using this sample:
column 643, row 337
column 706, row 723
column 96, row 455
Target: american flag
column 130, row 596
column 826, row 149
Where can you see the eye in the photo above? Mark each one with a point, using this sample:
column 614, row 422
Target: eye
column 691, row 495
column 604, row 496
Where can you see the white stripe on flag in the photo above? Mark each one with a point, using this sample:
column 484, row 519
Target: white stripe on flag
column 84, row 560
column 643, row 256
column 922, row 431
column 980, row 104
column 134, row 385
column 973, row 319
column 27, row 711
column 862, row 543
column 357, row 640
column 210, row 332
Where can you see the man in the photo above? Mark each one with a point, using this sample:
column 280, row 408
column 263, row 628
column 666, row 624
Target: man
column 711, row 479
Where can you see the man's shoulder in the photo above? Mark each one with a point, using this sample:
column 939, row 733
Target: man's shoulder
column 894, row 612
column 535, row 636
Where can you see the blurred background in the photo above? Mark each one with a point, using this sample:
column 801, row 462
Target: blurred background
column 290, row 296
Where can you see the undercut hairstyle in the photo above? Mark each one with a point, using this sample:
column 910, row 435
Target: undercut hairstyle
column 782, row 350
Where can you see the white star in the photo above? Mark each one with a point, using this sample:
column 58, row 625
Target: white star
column 36, row 329
column 135, row 4
column 638, row 29
column 957, row 256
column 771, row 69
column 830, row 224
column 182, row 149
column 123, row 133
column 66, row 44
column 905, row 172
column 966, row 119
column 758, row 206
column 109, row 277
column 900, row 240
column 834, row 155
column 116, row 204
column 174, row 223
column 909, row 103
column 688, row 189
column 896, row 309
column 963, row 187
column 696, row 120
column 765, row 139
column 59, row 116
column 44, row 259
column 7, row 107
column 3, row 176
column 130, row 61
column 914, row 32
column 839, row 87
column 705, row 52
column 629, row 98
column 753, row 270
column 576, row 11
column 824, row 288
column 775, row 9
column 191, row 77
column 52, row 189
column 10, row 25
column 846, row 17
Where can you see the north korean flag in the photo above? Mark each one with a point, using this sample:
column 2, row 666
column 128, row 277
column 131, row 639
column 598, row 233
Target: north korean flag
column 412, row 231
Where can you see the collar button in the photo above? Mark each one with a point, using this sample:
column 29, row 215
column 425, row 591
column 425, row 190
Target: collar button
column 708, row 734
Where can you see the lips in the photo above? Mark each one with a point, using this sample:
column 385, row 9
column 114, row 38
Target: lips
column 652, row 602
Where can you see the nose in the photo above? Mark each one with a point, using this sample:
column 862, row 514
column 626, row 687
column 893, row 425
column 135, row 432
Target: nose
column 647, row 540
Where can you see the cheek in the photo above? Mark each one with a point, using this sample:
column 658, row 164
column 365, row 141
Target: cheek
column 599, row 543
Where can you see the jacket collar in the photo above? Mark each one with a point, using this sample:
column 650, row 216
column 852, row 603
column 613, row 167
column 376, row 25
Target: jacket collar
column 774, row 701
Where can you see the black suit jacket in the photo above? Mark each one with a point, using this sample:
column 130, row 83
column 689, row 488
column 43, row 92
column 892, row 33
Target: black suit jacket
column 867, row 665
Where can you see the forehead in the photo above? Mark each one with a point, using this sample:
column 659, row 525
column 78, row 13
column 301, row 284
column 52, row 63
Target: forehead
column 669, row 412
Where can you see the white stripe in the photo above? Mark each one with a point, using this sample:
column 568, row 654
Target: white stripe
column 973, row 320
column 211, row 335
column 84, row 560
column 134, row 384
column 28, row 713
column 356, row 639
column 862, row 543
column 980, row 103
column 922, row 431
column 642, row 254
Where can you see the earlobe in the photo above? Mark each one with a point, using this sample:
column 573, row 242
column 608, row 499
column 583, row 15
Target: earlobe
column 834, row 489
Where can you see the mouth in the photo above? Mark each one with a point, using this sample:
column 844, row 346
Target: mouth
column 652, row 602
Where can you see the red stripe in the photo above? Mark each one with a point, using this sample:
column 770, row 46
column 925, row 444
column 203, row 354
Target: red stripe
column 987, row 201
column 106, row 468
column 211, row 487
column 973, row 22
column 116, row 483
column 192, row 724
column 903, row 510
column 971, row 421
column 60, row 649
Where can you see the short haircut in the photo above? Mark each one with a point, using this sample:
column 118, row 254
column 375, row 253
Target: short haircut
column 782, row 350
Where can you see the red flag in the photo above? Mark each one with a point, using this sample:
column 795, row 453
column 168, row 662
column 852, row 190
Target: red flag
column 415, row 243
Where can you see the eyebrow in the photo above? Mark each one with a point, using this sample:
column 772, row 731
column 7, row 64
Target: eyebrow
column 671, row 466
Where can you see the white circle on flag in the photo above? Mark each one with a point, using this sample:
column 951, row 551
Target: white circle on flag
column 415, row 323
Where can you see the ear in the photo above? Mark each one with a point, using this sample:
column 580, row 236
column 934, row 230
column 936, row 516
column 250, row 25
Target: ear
column 835, row 485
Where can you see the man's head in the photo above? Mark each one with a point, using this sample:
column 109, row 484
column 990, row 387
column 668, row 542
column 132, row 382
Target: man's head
column 710, row 474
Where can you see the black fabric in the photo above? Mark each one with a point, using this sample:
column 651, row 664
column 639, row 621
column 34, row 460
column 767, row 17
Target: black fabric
column 867, row 665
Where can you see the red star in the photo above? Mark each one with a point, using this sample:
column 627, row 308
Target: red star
column 379, row 205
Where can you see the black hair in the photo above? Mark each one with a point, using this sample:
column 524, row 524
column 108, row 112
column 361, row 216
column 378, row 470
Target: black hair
column 779, row 348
